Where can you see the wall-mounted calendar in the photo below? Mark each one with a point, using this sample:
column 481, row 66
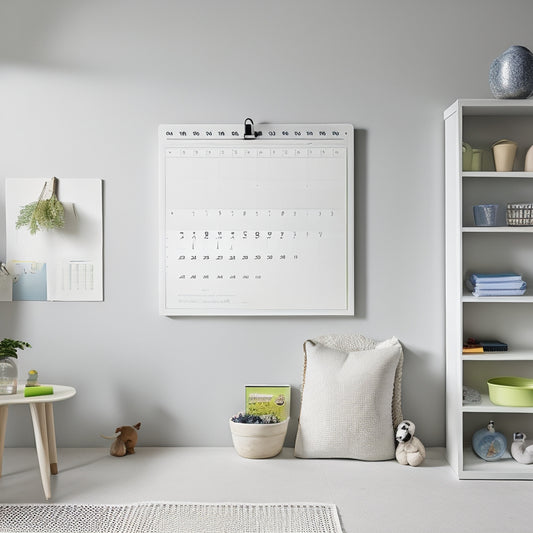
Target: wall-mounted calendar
column 256, row 219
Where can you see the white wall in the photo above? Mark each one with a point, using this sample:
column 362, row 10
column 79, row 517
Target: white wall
column 83, row 87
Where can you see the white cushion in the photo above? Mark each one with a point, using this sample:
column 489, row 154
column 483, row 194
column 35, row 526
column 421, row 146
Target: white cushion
column 347, row 400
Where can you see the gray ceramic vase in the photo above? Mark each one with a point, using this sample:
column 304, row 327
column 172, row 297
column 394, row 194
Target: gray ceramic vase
column 511, row 74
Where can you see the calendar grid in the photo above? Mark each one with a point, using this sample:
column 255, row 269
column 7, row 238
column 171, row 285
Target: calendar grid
column 256, row 227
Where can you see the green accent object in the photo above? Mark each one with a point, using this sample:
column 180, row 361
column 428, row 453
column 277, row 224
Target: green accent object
column 41, row 390
column 511, row 391
column 46, row 213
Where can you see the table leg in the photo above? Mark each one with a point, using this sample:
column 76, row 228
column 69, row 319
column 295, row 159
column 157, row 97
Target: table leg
column 3, row 423
column 38, row 417
column 50, row 428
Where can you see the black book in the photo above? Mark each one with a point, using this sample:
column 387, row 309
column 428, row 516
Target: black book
column 493, row 346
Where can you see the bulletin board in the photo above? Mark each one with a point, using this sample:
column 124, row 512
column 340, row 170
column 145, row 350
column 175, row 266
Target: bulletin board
column 64, row 264
column 256, row 219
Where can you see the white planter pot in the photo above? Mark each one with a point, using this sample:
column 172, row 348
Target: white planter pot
column 258, row 441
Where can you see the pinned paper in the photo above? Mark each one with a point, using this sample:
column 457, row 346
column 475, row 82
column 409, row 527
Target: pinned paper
column 29, row 280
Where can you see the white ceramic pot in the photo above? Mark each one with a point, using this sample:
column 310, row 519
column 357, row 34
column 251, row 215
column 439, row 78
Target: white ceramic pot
column 258, row 441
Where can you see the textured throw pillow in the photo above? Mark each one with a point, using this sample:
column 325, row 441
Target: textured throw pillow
column 358, row 342
column 347, row 402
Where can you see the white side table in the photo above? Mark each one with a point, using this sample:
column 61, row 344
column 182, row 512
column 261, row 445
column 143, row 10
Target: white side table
column 42, row 415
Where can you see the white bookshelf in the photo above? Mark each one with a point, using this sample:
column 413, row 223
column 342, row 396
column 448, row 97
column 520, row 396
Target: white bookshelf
column 486, row 249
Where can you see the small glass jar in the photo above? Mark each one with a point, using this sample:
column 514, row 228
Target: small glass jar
column 8, row 375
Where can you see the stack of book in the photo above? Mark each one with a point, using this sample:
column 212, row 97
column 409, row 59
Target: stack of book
column 504, row 284
column 479, row 346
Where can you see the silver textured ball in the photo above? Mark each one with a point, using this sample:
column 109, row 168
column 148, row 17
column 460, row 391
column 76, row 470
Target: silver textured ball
column 511, row 74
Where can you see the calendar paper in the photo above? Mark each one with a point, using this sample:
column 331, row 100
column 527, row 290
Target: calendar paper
column 259, row 226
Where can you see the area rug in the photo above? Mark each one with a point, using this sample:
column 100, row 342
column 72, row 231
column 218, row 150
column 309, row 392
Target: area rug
column 168, row 517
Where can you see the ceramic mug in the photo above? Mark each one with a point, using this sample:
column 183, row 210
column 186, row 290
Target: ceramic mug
column 486, row 214
column 504, row 153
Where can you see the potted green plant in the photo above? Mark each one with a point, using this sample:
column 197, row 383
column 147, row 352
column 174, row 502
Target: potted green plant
column 8, row 367
column 258, row 436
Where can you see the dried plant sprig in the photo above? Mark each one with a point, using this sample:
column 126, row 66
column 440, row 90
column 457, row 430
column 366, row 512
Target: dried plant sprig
column 42, row 214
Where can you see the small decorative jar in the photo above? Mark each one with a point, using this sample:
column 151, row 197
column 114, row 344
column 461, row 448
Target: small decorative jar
column 488, row 443
column 8, row 375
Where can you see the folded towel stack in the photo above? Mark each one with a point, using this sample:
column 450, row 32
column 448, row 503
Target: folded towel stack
column 504, row 284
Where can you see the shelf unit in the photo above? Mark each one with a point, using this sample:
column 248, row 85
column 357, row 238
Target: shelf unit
column 486, row 249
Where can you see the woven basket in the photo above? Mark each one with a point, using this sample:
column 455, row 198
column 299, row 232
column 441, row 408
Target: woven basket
column 519, row 214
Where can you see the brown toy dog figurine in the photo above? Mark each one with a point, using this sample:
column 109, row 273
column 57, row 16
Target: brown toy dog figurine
column 125, row 440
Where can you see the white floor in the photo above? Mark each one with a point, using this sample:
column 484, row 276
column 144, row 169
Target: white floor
column 371, row 497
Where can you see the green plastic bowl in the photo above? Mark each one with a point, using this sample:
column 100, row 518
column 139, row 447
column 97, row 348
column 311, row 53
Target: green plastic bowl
column 511, row 391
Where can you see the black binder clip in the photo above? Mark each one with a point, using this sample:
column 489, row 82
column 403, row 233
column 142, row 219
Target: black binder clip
column 249, row 132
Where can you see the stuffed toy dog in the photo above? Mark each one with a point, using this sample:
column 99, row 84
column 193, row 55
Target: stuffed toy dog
column 410, row 451
column 125, row 440
column 522, row 449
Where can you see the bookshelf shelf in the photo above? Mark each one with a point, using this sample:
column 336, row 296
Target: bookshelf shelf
column 486, row 406
column 495, row 175
column 506, row 468
column 469, row 298
column 498, row 229
column 514, row 355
